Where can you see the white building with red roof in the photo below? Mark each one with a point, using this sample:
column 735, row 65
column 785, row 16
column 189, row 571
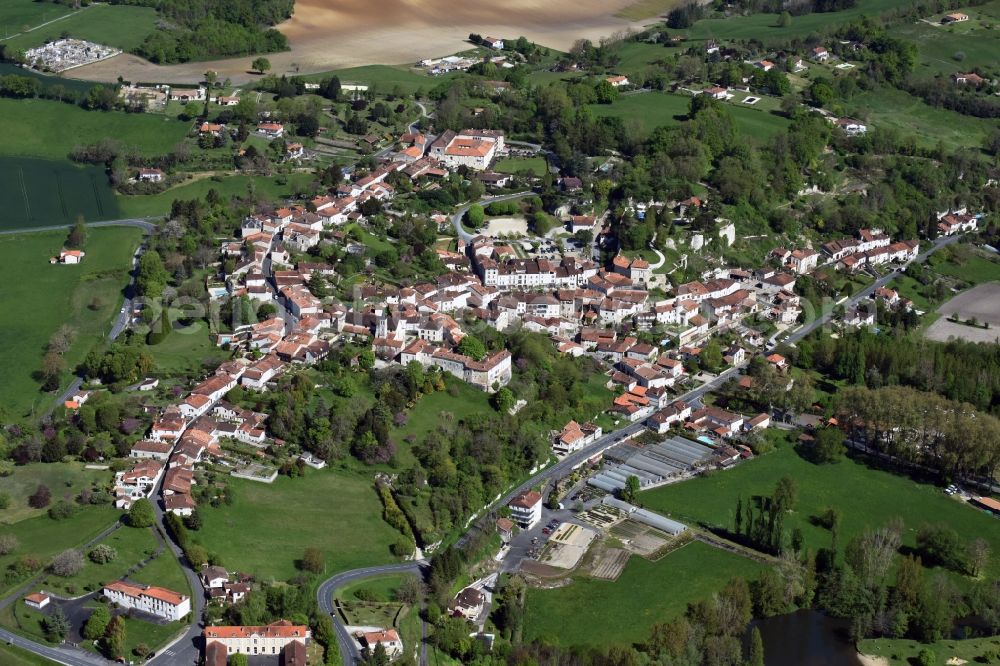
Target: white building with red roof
column 158, row 601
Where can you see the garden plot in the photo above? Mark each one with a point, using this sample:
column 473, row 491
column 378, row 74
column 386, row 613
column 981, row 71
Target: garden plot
column 609, row 563
column 640, row 539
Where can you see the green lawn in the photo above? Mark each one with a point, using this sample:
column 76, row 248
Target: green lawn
column 16, row 15
column 50, row 129
column 65, row 480
column 602, row 613
column 385, row 78
column 535, row 165
column 644, row 9
column 382, row 589
column 974, row 269
column 187, row 351
column 867, row 498
column 15, row 656
column 651, row 110
column 164, row 571
column 45, row 538
column 427, row 413
column 271, row 188
column 121, row 26
column 902, row 652
column 910, row 116
column 133, row 546
column 269, row 526
column 39, row 297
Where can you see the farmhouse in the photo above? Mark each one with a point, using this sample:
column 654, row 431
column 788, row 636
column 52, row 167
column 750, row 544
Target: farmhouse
column 38, row 600
column 69, row 257
column 157, row 601
column 151, row 175
column 493, row 42
column 387, row 638
column 954, row 17
column 468, row 603
column 271, row 130
column 968, row 78
column 617, row 81
column 820, row 54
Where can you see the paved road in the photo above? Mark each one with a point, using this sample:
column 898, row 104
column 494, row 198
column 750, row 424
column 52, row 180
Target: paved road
column 328, row 588
column 138, row 222
column 456, row 219
column 868, row 291
column 186, row 649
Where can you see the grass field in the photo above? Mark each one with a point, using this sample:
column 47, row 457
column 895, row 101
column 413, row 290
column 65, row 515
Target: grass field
column 40, row 193
column 269, row 526
column 910, row 116
column 902, row 652
column 266, row 187
column 385, row 78
column 184, row 352
column 65, row 480
column 121, row 26
column 18, row 15
column 764, row 27
column 133, row 546
column 867, row 498
column 652, row 110
column 428, row 413
column 643, row 9
column 975, row 269
column 602, row 613
column 45, row 538
column 40, row 297
column 164, row 571
column 50, row 129
column 976, row 45
column 536, row 165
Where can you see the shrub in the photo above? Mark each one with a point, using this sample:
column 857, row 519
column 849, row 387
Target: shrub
column 67, row 563
column 141, row 514
column 8, row 544
column 61, row 510
column 40, row 498
column 102, row 554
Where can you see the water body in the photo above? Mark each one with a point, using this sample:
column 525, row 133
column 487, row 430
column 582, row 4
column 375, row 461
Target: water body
column 806, row 638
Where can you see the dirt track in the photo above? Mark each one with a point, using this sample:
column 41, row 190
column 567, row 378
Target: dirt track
column 332, row 34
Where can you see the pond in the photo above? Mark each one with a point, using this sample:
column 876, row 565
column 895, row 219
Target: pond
column 806, row 638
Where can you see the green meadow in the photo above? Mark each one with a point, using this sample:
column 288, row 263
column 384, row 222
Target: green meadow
column 39, row 297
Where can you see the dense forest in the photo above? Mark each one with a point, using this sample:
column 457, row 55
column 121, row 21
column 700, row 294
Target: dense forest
column 200, row 29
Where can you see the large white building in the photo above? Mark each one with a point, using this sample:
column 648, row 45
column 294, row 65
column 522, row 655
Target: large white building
column 526, row 509
column 157, row 601
column 475, row 149
column 270, row 639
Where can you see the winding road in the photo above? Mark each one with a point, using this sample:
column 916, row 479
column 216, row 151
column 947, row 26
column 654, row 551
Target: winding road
column 456, row 219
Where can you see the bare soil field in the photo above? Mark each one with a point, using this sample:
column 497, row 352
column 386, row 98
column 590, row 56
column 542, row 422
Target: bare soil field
column 981, row 302
column 333, row 34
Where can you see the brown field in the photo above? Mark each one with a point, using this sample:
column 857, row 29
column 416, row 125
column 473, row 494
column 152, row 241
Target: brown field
column 333, row 34
column 981, row 302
